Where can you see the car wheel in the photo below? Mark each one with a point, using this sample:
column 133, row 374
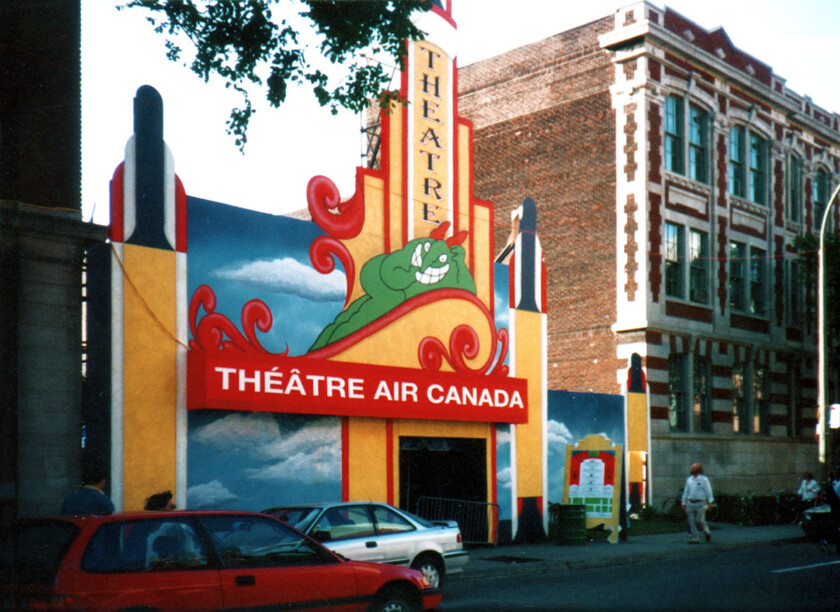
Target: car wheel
column 395, row 599
column 431, row 568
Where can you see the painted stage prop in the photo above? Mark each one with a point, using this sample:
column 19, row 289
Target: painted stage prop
column 593, row 477
column 390, row 279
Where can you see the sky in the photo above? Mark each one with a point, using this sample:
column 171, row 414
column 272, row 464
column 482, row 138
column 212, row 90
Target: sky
column 289, row 145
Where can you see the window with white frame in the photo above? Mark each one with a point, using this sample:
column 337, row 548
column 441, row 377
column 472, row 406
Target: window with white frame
column 698, row 254
column 795, row 293
column 736, row 162
column 747, row 279
column 702, row 382
column 674, row 134
column 737, row 276
column 686, row 139
column 674, row 258
column 794, row 407
column 819, row 197
column 761, row 400
column 740, row 416
column 758, row 281
column 757, row 179
column 696, row 273
column 698, row 129
column 794, row 188
column 678, row 391
column 747, row 164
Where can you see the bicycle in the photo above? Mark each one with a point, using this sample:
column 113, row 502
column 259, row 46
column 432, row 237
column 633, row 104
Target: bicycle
column 786, row 509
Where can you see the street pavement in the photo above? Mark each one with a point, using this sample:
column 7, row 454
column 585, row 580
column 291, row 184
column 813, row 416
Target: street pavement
column 513, row 559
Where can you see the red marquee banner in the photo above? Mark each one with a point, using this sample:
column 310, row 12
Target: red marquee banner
column 300, row 385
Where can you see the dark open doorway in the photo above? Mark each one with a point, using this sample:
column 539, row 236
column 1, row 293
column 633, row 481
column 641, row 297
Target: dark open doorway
column 453, row 468
column 446, row 478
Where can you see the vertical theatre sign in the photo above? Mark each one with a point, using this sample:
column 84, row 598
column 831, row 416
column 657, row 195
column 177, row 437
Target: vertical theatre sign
column 432, row 135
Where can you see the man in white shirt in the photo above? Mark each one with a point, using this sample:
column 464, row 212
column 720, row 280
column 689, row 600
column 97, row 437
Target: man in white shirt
column 697, row 496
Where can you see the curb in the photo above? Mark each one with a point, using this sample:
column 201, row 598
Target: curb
column 534, row 563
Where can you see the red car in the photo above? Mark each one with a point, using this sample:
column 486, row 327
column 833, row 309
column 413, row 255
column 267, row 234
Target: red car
column 193, row 560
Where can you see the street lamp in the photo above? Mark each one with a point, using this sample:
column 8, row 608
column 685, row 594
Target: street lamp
column 822, row 363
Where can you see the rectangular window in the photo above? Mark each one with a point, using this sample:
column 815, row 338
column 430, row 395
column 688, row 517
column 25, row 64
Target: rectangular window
column 736, row 161
column 740, row 423
column 794, row 183
column 794, row 411
column 674, row 257
column 698, row 128
column 757, row 164
column 794, row 292
column 758, row 281
column 737, row 277
column 674, row 134
column 819, row 197
column 699, row 267
column 677, row 392
column 761, row 401
column 702, row 394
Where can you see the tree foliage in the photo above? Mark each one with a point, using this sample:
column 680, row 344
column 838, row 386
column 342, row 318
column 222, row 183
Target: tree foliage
column 246, row 44
column 808, row 246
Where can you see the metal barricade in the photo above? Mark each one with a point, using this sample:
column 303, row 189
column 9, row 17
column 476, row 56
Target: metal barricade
column 478, row 521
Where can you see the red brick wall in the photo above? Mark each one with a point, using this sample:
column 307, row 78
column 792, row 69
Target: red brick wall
column 545, row 128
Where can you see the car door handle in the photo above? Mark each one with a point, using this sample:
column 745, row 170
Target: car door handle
column 370, row 544
column 245, row 581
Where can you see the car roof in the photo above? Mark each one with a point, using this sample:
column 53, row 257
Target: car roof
column 325, row 505
column 144, row 514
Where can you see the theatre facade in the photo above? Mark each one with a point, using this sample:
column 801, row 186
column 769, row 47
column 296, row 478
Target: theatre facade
column 376, row 351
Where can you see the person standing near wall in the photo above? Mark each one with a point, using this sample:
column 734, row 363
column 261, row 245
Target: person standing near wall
column 90, row 497
column 697, row 496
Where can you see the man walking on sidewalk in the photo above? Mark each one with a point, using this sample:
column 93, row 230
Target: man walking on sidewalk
column 697, row 496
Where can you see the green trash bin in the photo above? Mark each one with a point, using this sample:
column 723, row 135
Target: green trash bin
column 568, row 523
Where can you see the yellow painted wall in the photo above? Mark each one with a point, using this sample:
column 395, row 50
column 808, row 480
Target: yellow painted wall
column 367, row 459
column 149, row 374
column 529, row 456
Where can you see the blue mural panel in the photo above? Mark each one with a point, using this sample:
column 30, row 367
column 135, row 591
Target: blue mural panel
column 572, row 417
column 249, row 460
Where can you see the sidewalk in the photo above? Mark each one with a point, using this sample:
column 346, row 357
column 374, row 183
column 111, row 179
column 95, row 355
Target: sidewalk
column 550, row 557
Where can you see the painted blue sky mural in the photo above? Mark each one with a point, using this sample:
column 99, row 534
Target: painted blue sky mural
column 572, row 417
column 246, row 460
column 270, row 264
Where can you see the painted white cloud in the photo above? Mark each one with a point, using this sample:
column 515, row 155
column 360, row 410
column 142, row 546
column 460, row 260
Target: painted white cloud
column 558, row 437
column 322, row 466
column 239, row 431
column 310, row 440
column 503, row 478
column 288, row 275
column 502, row 311
column 209, row 495
column 502, row 437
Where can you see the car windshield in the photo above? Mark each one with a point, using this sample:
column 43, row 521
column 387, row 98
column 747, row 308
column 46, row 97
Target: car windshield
column 298, row 517
column 419, row 520
column 37, row 550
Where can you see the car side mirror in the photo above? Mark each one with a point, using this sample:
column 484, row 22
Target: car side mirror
column 321, row 536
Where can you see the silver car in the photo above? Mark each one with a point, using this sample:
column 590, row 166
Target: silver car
column 370, row 531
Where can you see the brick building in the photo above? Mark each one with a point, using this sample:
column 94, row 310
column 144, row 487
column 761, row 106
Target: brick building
column 672, row 172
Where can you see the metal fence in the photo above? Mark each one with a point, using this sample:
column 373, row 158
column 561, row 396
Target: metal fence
column 478, row 521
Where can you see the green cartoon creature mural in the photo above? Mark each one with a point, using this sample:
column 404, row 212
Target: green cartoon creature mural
column 389, row 279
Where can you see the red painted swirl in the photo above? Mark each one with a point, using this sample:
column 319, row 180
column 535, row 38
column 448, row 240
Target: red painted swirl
column 339, row 219
column 321, row 253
